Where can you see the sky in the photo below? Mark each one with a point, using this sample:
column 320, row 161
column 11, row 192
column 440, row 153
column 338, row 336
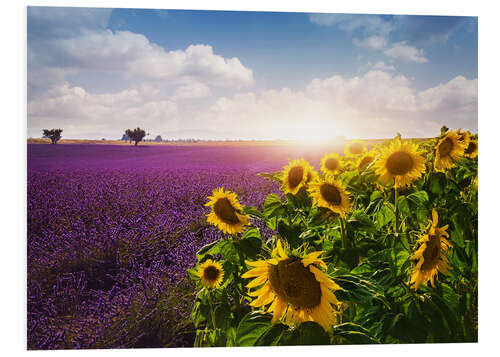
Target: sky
column 248, row 75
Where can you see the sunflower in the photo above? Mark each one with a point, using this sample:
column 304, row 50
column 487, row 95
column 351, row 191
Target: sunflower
column 331, row 164
column 431, row 259
column 399, row 162
column 296, row 175
column 312, row 174
column 471, row 150
column 211, row 273
column 463, row 136
column 365, row 160
column 225, row 213
column 296, row 289
column 448, row 150
column 330, row 194
column 355, row 147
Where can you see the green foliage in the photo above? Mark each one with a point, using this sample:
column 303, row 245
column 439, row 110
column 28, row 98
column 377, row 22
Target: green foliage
column 368, row 254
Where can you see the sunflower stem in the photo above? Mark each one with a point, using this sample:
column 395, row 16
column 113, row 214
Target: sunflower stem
column 396, row 211
column 343, row 233
column 212, row 312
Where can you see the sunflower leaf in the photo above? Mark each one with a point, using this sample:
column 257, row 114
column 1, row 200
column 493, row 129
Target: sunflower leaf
column 354, row 334
column 251, row 327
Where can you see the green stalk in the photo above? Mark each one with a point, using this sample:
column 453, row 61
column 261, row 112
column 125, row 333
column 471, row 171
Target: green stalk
column 396, row 211
column 212, row 312
column 343, row 232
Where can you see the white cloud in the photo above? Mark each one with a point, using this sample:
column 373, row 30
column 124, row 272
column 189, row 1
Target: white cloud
column 84, row 114
column 133, row 55
column 191, row 90
column 457, row 94
column 384, row 67
column 403, row 51
column 375, row 105
column 372, row 42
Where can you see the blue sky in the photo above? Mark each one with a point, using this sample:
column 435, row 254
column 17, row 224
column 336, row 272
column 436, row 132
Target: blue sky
column 264, row 75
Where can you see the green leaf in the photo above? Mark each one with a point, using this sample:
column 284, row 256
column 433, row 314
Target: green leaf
column 272, row 176
column 419, row 198
column 200, row 313
column 376, row 195
column 254, row 213
column 222, row 315
column 290, row 233
column 359, row 220
column 308, row 333
column 354, row 333
column 437, row 183
column 273, row 206
column 250, row 243
column 320, row 216
column 385, row 216
column 251, row 327
column 206, row 248
column 271, row 336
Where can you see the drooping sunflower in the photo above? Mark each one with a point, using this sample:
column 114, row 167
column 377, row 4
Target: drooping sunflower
column 448, row 150
column 355, row 147
column 225, row 213
column 211, row 273
column 429, row 256
column 296, row 288
column 463, row 136
column 400, row 162
column 296, row 175
column 331, row 164
column 471, row 150
column 330, row 194
column 365, row 160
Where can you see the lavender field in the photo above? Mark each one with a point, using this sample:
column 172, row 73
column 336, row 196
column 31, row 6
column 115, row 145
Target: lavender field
column 112, row 230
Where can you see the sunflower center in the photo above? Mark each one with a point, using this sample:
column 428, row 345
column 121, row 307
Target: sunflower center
column 295, row 176
column 399, row 163
column 331, row 194
column 445, row 147
column 431, row 253
column 364, row 162
column 332, row 164
column 225, row 211
column 471, row 148
column 211, row 273
column 356, row 148
column 295, row 284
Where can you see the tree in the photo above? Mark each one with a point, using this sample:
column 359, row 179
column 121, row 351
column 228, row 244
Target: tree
column 53, row 134
column 158, row 139
column 136, row 135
